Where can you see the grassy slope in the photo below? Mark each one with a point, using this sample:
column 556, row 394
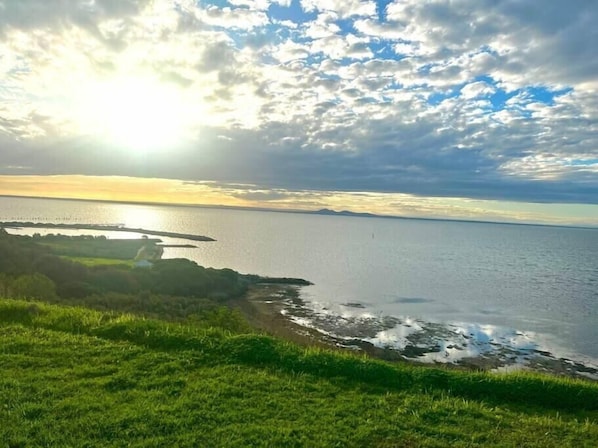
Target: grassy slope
column 75, row 377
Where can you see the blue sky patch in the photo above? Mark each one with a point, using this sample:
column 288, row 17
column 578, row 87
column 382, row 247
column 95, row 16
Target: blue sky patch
column 294, row 13
column 584, row 162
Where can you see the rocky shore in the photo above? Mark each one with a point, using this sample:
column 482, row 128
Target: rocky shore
column 278, row 309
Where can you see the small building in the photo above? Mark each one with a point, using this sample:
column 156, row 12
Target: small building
column 147, row 254
column 143, row 264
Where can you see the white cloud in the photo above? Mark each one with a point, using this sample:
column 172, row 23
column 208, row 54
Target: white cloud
column 390, row 31
column 344, row 8
column 244, row 19
column 323, row 26
column 286, row 23
column 342, row 97
column 477, row 89
column 537, row 43
column 290, row 51
column 260, row 5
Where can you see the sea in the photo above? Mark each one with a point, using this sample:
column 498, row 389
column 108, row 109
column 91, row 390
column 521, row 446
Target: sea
column 515, row 296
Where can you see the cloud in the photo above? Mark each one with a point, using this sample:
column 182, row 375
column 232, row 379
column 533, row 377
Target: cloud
column 482, row 99
column 238, row 18
column 344, row 8
column 477, row 89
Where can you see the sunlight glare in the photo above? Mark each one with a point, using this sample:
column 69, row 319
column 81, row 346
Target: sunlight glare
column 137, row 114
column 140, row 217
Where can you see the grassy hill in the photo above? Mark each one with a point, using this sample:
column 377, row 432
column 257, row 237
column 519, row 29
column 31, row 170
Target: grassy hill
column 76, row 377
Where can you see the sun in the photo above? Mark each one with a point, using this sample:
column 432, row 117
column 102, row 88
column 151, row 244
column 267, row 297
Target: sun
column 137, row 114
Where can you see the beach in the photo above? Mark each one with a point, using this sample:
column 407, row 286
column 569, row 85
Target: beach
column 279, row 310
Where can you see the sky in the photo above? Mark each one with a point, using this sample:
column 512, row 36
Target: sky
column 467, row 109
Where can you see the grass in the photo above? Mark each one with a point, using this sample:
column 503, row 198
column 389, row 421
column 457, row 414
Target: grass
column 89, row 261
column 77, row 377
column 88, row 247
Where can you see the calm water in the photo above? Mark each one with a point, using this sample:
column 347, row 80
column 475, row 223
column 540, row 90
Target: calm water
column 541, row 282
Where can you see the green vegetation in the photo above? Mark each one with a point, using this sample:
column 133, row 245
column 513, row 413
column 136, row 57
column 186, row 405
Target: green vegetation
column 93, row 261
column 161, row 361
column 92, row 246
column 77, row 377
column 42, row 260
column 107, row 269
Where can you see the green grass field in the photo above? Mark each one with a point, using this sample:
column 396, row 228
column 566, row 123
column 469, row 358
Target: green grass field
column 77, row 377
column 89, row 261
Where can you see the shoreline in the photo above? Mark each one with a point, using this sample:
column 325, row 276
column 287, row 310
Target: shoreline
column 275, row 306
column 268, row 308
column 261, row 305
column 100, row 227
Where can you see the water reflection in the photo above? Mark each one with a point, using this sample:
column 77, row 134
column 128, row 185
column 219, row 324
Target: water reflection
column 490, row 347
column 140, row 216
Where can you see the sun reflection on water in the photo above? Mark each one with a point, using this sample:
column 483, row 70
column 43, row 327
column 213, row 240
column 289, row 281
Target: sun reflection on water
column 141, row 217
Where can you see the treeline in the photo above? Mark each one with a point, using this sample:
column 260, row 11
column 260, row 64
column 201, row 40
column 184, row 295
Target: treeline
column 176, row 288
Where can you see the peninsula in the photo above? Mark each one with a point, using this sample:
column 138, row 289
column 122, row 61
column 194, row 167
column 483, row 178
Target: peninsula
column 106, row 228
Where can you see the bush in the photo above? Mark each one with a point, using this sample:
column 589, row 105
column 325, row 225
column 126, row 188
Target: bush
column 34, row 286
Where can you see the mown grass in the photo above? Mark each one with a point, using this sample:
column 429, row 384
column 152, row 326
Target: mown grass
column 88, row 261
column 77, row 377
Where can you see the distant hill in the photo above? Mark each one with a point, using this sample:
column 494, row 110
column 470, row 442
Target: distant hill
column 327, row 211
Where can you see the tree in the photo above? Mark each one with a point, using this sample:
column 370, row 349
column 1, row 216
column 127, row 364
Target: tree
column 33, row 286
column 5, row 285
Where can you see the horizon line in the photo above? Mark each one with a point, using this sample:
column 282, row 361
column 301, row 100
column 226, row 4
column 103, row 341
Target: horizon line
column 325, row 211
